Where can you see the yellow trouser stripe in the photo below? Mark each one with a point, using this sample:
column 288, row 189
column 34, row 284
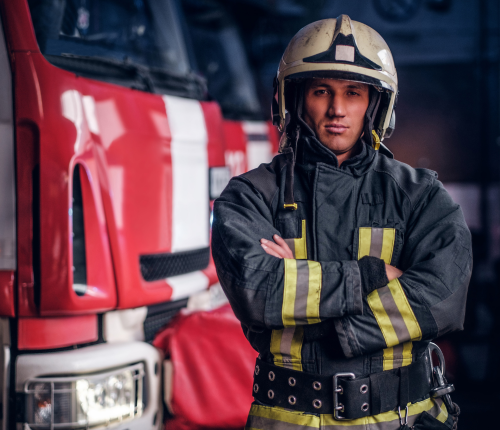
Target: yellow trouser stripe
column 285, row 416
column 265, row 417
column 443, row 414
column 301, row 244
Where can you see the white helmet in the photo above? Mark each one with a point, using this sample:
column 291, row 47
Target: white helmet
column 341, row 49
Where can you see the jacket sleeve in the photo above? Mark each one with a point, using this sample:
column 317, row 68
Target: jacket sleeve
column 428, row 300
column 265, row 291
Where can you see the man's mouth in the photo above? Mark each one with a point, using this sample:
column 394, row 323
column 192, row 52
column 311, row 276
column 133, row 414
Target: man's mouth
column 336, row 128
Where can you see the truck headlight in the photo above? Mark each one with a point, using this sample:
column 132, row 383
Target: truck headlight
column 86, row 401
column 219, row 177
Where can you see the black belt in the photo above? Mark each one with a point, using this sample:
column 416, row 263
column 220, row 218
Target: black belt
column 353, row 398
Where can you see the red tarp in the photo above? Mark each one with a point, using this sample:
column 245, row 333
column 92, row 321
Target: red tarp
column 213, row 367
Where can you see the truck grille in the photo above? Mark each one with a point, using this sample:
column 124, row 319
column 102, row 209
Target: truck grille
column 161, row 266
column 159, row 316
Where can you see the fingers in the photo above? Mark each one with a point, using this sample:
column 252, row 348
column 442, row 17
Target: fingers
column 274, row 247
column 281, row 242
column 279, row 249
column 270, row 251
column 392, row 272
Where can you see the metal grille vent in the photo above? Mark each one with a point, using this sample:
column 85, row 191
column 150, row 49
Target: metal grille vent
column 159, row 316
column 161, row 266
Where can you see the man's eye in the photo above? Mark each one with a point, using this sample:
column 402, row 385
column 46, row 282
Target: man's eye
column 353, row 93
column 321, row 92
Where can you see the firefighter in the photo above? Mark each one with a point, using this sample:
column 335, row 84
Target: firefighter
column 341, row 263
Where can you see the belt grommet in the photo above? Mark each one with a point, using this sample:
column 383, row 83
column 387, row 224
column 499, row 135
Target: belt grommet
column 271, row 375
column 363, row 389
column 317, row 385
column 255, row 388
column 364, row 407
column 292, row 400
column 292, row 381
column 317, row 403
column 270, row 394
column 257, row 369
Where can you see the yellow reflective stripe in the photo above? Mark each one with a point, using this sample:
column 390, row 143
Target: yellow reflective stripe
column 383, row 320
column 286, row 347
column 314, row 292
column 386, row 417
column 388, row 244
column 388, row 362
column 365, row 240
column 276, row 347
column 407, row 350
column 443, row 414
column 405, row 309
column 301, row 244
column 296, row 349
column 401, row 358
column 289, row 292
column 301, row 292
column 285, row 416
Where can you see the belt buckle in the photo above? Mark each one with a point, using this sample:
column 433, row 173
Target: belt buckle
column 337, row 389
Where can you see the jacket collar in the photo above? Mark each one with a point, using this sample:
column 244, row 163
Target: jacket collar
column 310, row 151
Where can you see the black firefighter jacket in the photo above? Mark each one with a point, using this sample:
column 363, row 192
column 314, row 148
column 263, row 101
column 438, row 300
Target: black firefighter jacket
column 311, row 313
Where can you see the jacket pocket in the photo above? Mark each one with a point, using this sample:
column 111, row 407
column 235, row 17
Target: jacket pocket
column 293, row 231
column 383, row 243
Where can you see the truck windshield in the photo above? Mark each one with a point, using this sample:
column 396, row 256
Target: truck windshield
column 221, row 57
column 141, row 32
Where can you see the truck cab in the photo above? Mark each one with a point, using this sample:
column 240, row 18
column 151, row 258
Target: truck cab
column 221, row 58
column 111, row 155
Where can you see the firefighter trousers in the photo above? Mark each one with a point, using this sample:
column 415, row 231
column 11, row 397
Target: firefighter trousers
column 436, row 417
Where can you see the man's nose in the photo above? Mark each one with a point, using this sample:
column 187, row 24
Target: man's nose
column 337, row 107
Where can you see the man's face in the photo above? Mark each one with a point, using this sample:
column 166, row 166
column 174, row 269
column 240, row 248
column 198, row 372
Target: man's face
column 335, row 110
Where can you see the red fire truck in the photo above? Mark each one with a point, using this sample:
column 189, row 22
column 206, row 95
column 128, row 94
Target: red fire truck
column 221, row 57
column 110, row 155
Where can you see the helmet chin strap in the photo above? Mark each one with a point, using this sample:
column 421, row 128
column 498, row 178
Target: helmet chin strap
column 369, row 133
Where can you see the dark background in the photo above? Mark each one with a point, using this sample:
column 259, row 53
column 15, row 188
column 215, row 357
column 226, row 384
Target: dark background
column 447, row 58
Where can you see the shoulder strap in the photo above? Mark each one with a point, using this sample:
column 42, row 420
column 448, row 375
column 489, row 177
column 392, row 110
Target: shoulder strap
column 266, row 178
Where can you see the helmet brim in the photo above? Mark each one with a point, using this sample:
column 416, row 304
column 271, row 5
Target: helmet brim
column 341, row 75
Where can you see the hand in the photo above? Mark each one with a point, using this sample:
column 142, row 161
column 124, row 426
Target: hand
column 392, row 272
column 279, row 249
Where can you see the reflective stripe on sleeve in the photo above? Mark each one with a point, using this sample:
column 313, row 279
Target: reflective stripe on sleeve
column 389, row 304
column 302, row 291
column 394, row 314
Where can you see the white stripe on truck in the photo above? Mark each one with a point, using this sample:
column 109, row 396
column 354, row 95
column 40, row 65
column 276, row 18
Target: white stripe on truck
column 190, row 201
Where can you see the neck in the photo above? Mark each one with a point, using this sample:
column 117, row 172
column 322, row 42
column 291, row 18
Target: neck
column 350, row 153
